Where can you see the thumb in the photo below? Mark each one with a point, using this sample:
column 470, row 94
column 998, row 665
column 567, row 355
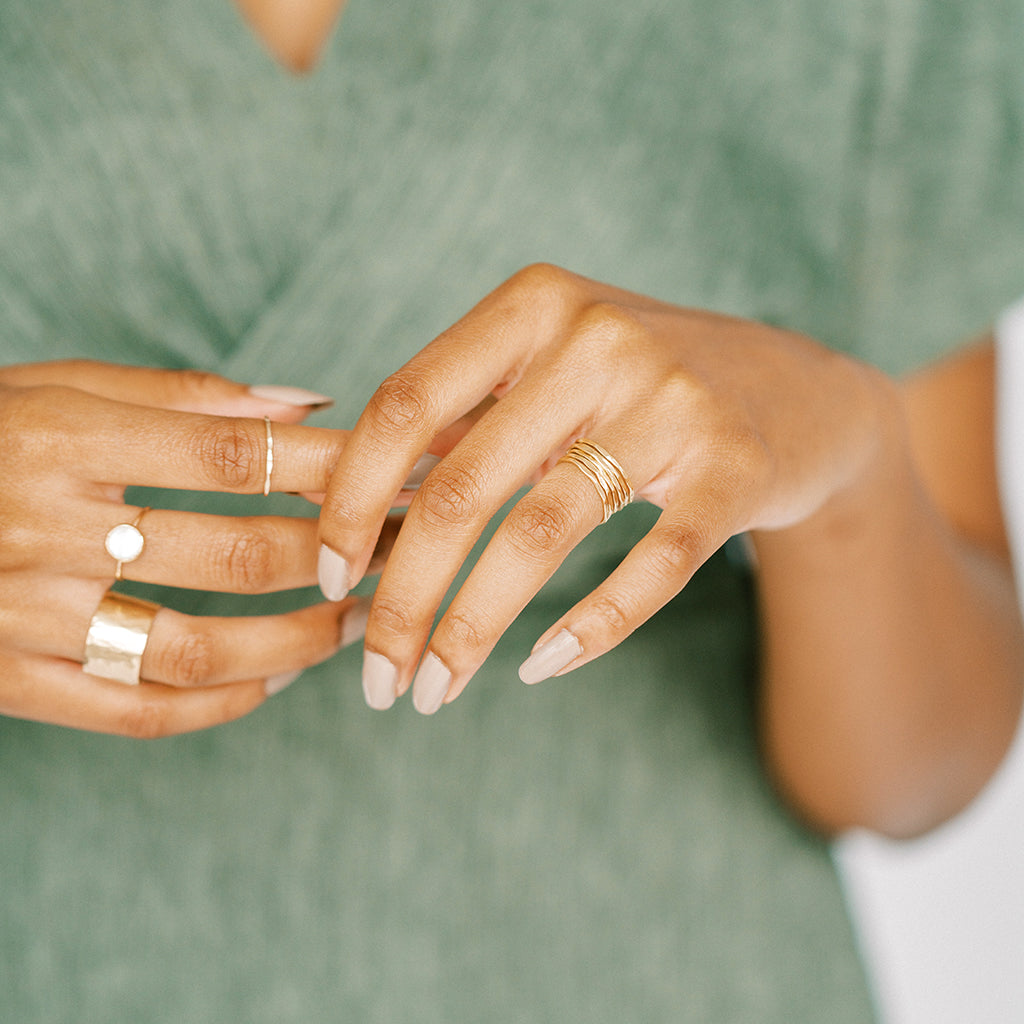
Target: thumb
column 182, row 390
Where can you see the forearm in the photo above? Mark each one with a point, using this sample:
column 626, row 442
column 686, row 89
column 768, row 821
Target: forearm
column 893, row 654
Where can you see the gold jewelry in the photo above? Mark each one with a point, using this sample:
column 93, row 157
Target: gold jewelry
column 124, row 542
column 117, row 637
column 604, row 473
column 270, row 456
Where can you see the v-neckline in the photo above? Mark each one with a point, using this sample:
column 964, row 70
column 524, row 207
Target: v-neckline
column 294, row 31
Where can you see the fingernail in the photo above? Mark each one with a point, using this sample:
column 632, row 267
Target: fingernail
column 332, row 571
column 430, row 685
column 353, row 625
column 551, row 657
column 424, row 464
column 275, row 684
column 380, row 678
column 289, row 395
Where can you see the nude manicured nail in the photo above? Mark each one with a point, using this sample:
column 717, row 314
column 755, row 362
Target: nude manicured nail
column 430, row 685
column 353, row 625
column 562, row 649
column 333, row 574
column 289, row 396
column 275, row 684
column 380, row 680
column 424, row 464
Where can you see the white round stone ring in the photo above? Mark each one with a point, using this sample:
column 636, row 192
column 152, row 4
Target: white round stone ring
column 124, row 542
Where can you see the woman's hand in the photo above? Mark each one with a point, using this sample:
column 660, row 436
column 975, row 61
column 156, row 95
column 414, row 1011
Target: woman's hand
column 75, row 435
column 726, row 425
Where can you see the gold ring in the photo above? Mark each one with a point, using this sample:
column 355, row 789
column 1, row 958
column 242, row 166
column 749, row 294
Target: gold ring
column 270, row 456
column 604, row 472
column 117, row 637
column 124, row 542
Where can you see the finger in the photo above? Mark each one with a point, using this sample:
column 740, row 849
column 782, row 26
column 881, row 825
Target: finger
column 486, row 352
column 183, row 390
column 442, row 444
column 655, row 570
column 424, row 464
column 239, row 555
column 190, row 651
column 185, row 650
column 113, row 443
column 59, row 692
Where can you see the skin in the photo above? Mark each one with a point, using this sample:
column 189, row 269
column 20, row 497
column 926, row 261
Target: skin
column 893, row 649
column 893, row 642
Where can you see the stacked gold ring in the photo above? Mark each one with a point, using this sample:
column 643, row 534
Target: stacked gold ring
column 604, row 472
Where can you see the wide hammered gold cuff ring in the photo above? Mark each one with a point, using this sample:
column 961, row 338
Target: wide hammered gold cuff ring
column 117, row 637
column 604, row 472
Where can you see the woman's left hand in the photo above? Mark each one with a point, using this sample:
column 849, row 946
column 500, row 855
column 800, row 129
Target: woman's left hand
column 725, row 424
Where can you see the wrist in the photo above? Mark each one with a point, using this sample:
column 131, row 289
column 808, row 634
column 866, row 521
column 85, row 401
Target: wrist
column 870, row 475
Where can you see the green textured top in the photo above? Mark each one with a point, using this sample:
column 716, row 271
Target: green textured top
column 601, row 848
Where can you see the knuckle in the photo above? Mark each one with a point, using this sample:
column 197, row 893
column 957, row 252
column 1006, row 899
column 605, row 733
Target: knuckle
column 198, row 383
column 190, row 660
column 607, row 327
column 538, row 293
column 466, row 632
column 32, row 423
column 341, row 518
column 391, row 618
column 147, row 719
column 678, row 550
column 683, row 389
column 615, row 614
column 541, row 278
column 450, row 495
column 249, row 561
column 232, row 456
column 538, row 525
column 401, row 403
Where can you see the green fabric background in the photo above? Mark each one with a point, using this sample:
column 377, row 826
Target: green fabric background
column 601, row 848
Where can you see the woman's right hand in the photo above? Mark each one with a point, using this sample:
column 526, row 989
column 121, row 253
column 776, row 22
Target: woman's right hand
column 75, row 435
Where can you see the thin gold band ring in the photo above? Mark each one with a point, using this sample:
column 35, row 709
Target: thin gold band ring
column 270, row 455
